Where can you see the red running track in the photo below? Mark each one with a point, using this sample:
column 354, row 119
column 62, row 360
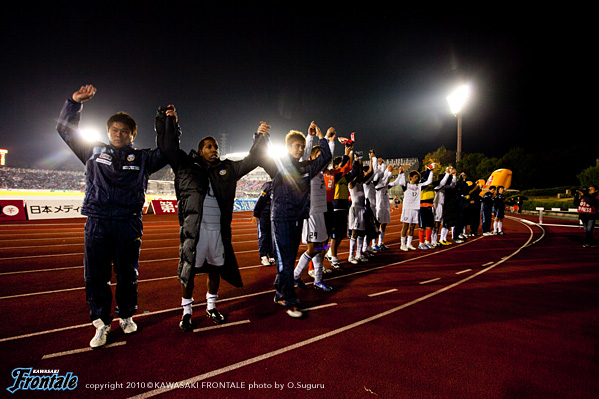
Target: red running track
column 514, row 316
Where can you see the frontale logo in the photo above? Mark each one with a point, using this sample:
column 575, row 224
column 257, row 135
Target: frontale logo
column 28, row 379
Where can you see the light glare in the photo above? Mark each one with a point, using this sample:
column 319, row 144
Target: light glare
column 89, row 134
column 458, row 98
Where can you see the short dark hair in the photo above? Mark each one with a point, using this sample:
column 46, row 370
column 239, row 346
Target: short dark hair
column 201, row 143
column 122, row 117
column 337, row 160
column 414, row 173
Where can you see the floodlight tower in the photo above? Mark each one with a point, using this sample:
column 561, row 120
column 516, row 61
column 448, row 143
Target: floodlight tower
column 456, row 101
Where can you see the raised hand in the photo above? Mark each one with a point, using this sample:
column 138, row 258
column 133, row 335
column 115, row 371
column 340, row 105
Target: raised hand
column 85, row 93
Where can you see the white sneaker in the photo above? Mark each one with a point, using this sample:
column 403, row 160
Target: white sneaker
column 326, row 270
column 128, row 325
column 312, row 273
column 265, row 261
column 411, row 247
column 404, row 248
column 352, row 260
column 294, row 312
column 102, row 331
column 363, row 258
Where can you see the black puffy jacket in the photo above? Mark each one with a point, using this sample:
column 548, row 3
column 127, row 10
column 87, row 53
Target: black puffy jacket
column 192, row 175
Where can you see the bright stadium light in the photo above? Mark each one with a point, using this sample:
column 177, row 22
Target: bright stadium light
column 456, row 102
column 90, row 134
column 458, row 98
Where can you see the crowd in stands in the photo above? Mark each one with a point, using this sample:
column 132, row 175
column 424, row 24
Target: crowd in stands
column 60, row 180
column 37, row 179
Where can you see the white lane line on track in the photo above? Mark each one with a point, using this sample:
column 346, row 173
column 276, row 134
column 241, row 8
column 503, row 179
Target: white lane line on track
column 488, row 264
column 326, row 305
column 178, row 309
column 236, row 323
column 383, row 292
column 60, row 329
column 429, row 281
column 463, row 271
column 82, row 350
column 329, row 334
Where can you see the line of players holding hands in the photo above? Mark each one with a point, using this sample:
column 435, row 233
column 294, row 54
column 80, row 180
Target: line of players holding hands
column 350, row 199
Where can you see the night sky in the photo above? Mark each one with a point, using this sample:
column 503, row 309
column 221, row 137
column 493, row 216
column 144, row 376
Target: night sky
column 381, row 74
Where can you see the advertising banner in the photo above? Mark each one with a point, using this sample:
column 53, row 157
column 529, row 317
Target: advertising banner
column 12, row 210
column 163, row 207
column 54, row 208
column 244, row 204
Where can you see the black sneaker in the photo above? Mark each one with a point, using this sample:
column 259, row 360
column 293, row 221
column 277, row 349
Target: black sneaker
column 215, row 316
column 185, row 323
column 337, row 267
column 300, row 284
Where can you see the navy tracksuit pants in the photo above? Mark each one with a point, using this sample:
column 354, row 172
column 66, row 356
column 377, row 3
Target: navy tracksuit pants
column 112, row 243
column 286, row 241
column 487, row 217
column 265, row 236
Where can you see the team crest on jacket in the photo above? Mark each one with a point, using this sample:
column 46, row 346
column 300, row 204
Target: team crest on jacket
column 131, row 157
column 222, row 172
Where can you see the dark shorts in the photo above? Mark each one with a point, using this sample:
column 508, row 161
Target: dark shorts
column 426, row 218
column 339, row 230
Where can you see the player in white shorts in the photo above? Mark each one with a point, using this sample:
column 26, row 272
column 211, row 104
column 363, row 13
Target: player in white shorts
column 370, row 193
column 314, row 231
column 383, row 215
column 411, row 205
column 356, row 219
column 447, row 181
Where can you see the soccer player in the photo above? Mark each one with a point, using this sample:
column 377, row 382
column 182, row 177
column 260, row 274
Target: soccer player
column 411, row 205
column 314, row 231
column 486, row 210
column 261, row 215
column 205, row 187
column 357, row 213
column 438, row 203
column 337, row 178
column 499, row 210
column 290, row 206
column 383, row 214
column 116, row 180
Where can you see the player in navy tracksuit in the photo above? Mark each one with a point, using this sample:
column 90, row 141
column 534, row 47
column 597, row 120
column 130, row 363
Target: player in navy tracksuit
column 116, row 180
column 486, row 210
column 261, row 215
column 290, row 206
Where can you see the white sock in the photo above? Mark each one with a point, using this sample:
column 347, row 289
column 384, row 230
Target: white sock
column 409, row 240
column 434, row 237
column 364, row 244
column 403, row 241
column 495, row 226
column 352, row 247
column 317, row 262
column 211, row 301
column 359, row 242
column 500, row 226
column 381, row 237
column 304, row 261
column 186, row 303
column 444, row 232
